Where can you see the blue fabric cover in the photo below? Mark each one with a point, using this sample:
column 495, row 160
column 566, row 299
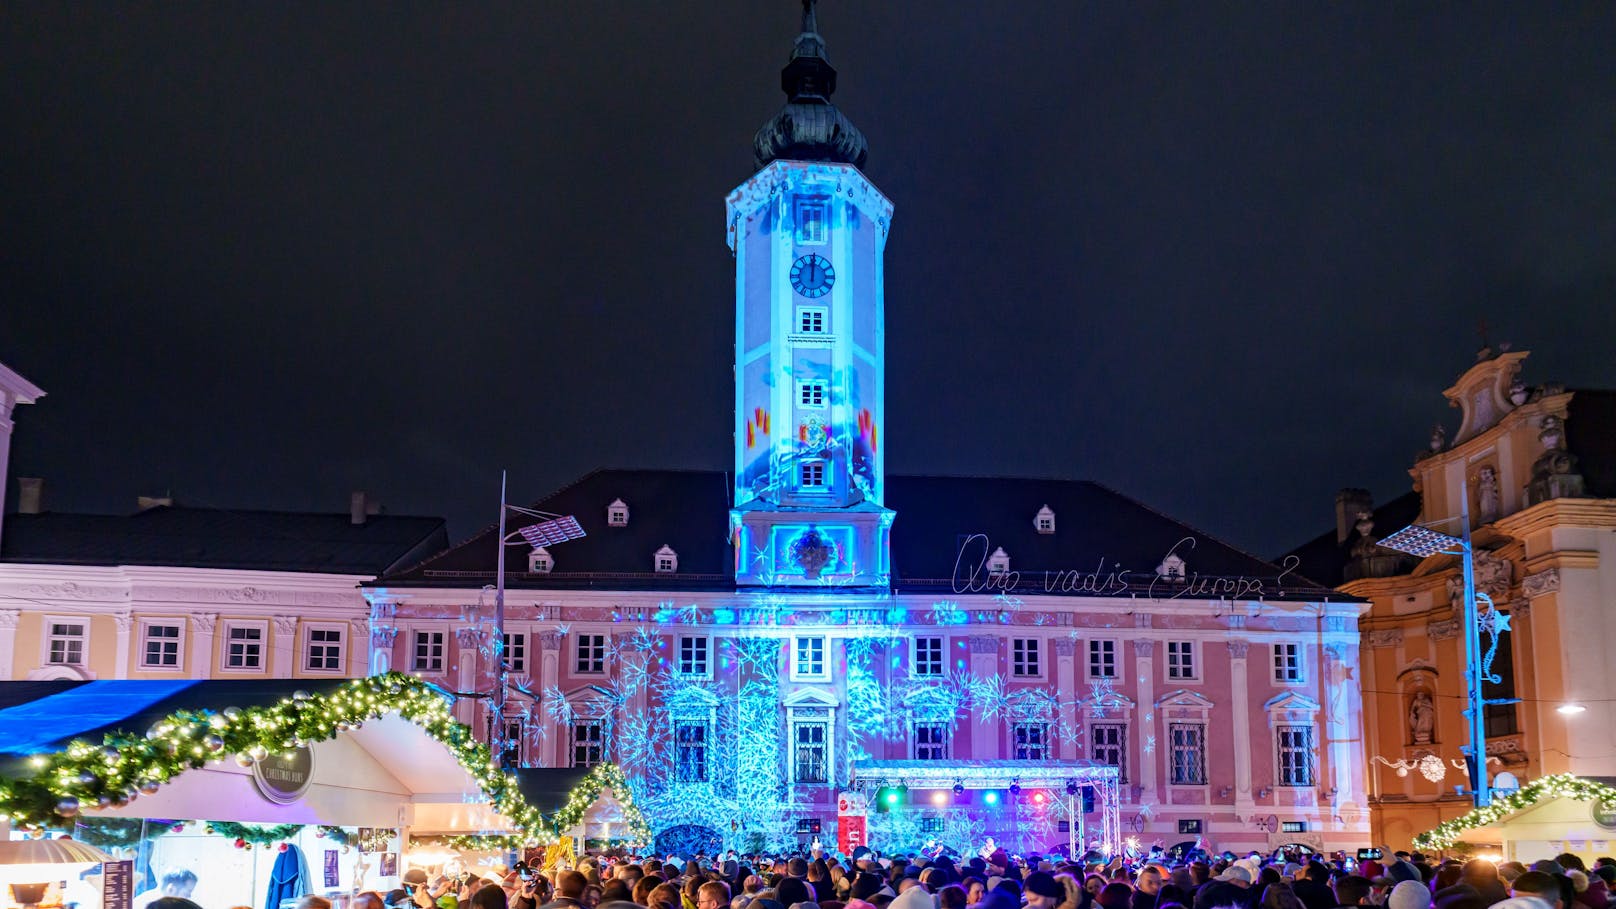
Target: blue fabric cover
column 45, row 724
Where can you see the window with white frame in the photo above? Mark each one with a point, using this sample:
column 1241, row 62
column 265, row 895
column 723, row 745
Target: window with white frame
column 1031, row 741
column 666, row 561
column 810, row 222
column 1181, row 659
column 427, row 655
column 811, row 320
column 515, row 739
column 999, row 563
column 244, row 647
column 1109, row 745
column 591, row 654
column 617, row 514
column 1102, row 659
column 810, row 658
column 1188, row 753
column 811, row 393
column 813, row 474
column 1295, row 755
column 324, row 649
column 66, row 642
column 1044, row 521
column 588, row 743
column 1024, row 657
column 539, row 561
column 1287, row 663
column 690, row 751
column 928, row 657
column 516, row 652
column 693, row 656
column 931, row 741
column 810, row 759
column 160, row 645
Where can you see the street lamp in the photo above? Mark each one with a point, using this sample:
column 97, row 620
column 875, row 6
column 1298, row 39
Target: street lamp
column 547, row 531
column 1422, row 542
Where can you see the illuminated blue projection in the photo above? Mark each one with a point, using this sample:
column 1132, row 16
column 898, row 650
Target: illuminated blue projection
column 808, row 238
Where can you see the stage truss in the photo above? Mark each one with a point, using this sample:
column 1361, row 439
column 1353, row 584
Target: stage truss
column 1061, row 779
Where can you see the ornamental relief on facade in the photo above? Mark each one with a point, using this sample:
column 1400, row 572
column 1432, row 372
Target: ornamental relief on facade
column 1545, row 581
column 1443, row 631
column 1386, row 637
column 72, row 591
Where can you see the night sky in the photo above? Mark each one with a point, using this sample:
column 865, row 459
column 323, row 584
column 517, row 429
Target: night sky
column 1221, row 257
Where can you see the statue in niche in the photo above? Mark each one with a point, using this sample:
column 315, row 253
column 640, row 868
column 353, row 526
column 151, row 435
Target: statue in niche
column 1439, row 437
column 1487, row 494
column 1422, row 718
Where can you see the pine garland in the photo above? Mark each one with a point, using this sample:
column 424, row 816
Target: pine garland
column 118, row 832
column 603, row 776
column 254, row 835
column 1559, row 785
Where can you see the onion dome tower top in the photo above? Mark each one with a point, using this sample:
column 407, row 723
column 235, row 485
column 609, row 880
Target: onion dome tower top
column 809, row 127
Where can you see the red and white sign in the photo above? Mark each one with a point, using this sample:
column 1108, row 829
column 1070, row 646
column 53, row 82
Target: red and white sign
column 851, row 833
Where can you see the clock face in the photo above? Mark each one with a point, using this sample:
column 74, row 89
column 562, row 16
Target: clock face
column 812, row 276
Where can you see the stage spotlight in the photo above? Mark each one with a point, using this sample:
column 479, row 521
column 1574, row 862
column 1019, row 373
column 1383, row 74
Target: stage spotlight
column 959, row 788
column 1037, row 798
column 1015, row 787
column 990, row 797
column 939, row 798
column 1071, row 787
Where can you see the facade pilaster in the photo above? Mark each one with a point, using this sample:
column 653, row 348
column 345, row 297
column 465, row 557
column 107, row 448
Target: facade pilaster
column 984, row 728
column 1144, row 656
column 202, row 628
column 554, row 737
column 358, row 646
column 1244, row 804
column 381, row 647
column 124, row 624
column 1343, row 719
column 469, row 641
column 1066, row 692
column 285, row 630
column 8, row 642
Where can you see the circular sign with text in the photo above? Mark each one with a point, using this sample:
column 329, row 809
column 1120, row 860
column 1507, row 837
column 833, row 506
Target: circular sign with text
column 283, row 777
column 1604, row 815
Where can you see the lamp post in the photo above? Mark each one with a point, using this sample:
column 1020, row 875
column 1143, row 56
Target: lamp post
column 1421, row 542
column 549, row 530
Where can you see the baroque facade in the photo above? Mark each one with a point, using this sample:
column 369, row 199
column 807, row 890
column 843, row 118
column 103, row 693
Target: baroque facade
column 1535, row 467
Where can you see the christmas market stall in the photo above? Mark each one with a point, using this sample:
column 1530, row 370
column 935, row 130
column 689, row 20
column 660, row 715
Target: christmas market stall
column 260, row 789
column 1548, row 816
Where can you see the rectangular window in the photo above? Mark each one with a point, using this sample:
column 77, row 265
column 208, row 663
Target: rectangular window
column 693, row 656
column 1032, row 741
column 1189, row 754
column 928, row 657
column 244, row 647
column 810, row 657
column 428, row 654
column 325, row 650
column 1293, row 826
column 588, row 743
column 591, row 653
column 516, row 652
column 690, row 752
column 811, row 393
column 810, row 222
column 1296, row 755
column 162, row 647
column 1102, row 659
column 931, row 742
column 1287, row 663
column 1181, row 659
column 813, row 474
column 811, row 320
column 1110, row 746
column 515, row 735
column 1187, row 826
column 1024, row 657
column 810, row 763
column 66, row 645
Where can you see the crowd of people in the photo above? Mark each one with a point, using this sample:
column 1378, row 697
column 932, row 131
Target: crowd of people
column 998, row 881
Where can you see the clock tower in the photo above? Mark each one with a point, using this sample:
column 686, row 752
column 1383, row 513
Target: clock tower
column 808, row 232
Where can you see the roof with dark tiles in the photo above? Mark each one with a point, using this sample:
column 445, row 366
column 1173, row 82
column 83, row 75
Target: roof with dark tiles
column 1098, row 531
column 224, row 538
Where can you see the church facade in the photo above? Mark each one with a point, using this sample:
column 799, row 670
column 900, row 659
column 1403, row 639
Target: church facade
column 765, row 649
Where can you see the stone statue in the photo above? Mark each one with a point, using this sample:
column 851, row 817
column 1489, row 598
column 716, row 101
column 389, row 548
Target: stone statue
column 1487, row 494
column 1554, row 473
column 1367, row 546
column 1422, row 718
column 1439, row 438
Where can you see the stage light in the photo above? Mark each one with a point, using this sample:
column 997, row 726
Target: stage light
column 1015, row 788
column 959, row 788
column 1071, row 787
column 990, row 797
column 1037, row 798
column 939, row 798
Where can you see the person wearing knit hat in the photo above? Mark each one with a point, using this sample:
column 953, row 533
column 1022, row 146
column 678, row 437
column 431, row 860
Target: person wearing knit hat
column 1404, row 870
column 1043, row 891
column 1409, row 894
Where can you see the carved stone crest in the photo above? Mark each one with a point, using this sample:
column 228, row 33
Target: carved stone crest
column 1144, row 648
column 1493, row 575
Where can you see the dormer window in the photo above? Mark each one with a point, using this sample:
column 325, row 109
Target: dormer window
column 539, row 561
column 1171, row 568
column 667, row 561
column 617, row 514
column 998, row 563
column 1044, row 520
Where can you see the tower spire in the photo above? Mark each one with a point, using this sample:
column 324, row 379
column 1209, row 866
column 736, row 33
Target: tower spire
column 809, row 127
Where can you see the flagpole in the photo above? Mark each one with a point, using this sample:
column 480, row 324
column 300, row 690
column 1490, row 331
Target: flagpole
column 498, row 738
